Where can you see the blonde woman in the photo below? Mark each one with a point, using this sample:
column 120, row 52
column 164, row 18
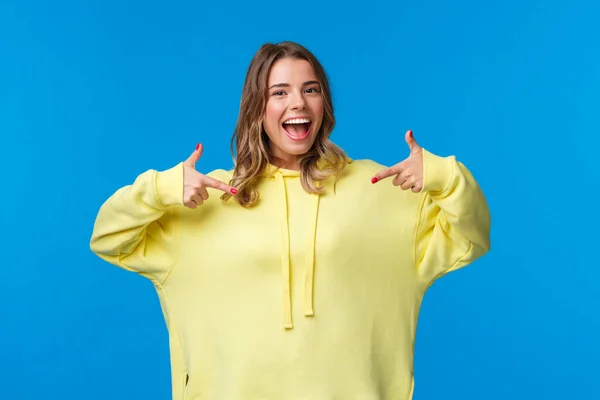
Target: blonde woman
column 300, row 273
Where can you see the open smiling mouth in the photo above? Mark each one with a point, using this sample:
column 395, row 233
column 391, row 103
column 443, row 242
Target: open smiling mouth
column 297, row 128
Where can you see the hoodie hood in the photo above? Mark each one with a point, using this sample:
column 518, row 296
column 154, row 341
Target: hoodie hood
column 281, row 175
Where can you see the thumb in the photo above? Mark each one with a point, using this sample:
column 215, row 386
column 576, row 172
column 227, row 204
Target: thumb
column 195, row 156
column 412, row 143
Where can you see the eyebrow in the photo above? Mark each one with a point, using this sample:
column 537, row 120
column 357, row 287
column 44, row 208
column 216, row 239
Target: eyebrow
column 288, row 85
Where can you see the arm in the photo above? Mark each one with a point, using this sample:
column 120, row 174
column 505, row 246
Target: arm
column 135, row 228
column 454, row 223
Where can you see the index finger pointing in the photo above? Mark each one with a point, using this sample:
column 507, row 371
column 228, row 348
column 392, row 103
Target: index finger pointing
column 386, row 173
column 216, row 184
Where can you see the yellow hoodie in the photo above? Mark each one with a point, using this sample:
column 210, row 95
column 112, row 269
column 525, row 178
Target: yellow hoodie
column 312, row 297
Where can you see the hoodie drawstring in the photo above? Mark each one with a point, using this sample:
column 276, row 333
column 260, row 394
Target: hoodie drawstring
column 285, row 255
column 310, row 256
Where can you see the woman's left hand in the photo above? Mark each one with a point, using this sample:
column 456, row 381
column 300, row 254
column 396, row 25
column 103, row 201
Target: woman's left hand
column 409, row 173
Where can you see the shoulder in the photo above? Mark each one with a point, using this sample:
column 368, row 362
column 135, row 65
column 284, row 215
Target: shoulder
column 358, row 174
column 221, row 174
column 362, row 168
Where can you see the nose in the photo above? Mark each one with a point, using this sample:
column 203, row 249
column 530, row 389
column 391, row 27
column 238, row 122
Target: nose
column 297, row 102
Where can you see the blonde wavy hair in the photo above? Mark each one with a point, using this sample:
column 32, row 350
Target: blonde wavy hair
column 250, row 143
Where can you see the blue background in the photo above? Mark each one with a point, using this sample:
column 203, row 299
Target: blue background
column 94, row 93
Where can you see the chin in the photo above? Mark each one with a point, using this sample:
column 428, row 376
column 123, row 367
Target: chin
column 283, row 143
column 297, row 147
column 297, row 151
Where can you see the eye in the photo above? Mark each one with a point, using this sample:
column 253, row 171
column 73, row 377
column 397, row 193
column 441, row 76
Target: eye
column 278, row 93
column 312, row 90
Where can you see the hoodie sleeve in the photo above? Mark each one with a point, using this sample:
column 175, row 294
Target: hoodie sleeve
column 454, row 222
column 135, row 228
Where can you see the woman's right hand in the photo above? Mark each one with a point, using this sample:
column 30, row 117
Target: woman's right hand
column 195, row 183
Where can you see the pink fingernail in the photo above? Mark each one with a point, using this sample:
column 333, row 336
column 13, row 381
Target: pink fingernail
column 374, row 179
column 234, row 191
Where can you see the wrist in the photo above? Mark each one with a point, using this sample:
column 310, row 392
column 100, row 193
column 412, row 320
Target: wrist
column 169, row 186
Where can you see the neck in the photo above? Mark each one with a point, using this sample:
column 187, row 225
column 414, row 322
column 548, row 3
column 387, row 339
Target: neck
column 289, row 162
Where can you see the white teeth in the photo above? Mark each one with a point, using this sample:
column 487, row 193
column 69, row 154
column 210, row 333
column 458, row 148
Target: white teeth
column 297, row 121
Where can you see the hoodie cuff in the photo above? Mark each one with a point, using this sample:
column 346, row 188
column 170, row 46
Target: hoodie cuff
column 169, row 186
column 437, row 172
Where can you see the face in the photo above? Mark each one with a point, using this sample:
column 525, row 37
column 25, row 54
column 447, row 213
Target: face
column 294, row 110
